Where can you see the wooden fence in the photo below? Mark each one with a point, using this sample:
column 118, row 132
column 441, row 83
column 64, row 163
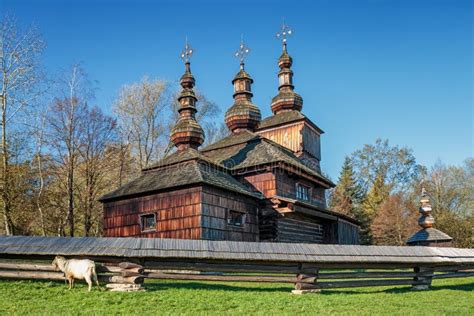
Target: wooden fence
column 123, row 264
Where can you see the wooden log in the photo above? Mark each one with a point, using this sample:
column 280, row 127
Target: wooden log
column 302, row 276
column 123, row 286
column 223, row 278
column 132, row 272
column 306, row 286
column 129, row 265
column 222, row 266
column 366, row 275
column 34, row 275
column 364, row 283
column 453, row 275
column 121, row 279
column 26, row 266
column 307, row 279
column 422, row 281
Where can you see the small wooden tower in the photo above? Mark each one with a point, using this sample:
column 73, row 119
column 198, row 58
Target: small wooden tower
column 243, row 115
column 427, row 235
column 187, row 133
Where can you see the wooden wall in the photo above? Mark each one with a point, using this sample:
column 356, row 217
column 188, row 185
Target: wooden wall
column 178, row 215
column 299, row 228
column 288, row 136
column 265, row 182
column 311, row 141
column 193, row 213
column 297, row 137
column 286, row 186
column 348, row 233
column 216, row 204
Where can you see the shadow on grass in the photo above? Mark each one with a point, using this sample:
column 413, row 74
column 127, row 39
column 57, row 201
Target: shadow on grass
column 400, row 290
column 287, row 289
column 213, row 286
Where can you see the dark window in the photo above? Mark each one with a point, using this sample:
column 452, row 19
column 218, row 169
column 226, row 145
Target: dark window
column 235, row 218
column 148, row 222
column 302, row 192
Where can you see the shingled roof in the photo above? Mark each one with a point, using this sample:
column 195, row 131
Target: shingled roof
column 180, row 169
column 429, row 235
column 285, row 118
column 247, row 149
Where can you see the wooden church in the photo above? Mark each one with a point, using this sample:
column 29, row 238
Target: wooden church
column 261, row 183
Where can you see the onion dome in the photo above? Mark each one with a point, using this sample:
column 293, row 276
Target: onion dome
column 427, row 236
column 243, row 114
column 187, row 133
column 286, row 99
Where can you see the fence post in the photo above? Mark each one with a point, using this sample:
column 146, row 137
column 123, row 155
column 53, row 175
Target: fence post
column 129, row 280
column 423, row 278
column 307, row 282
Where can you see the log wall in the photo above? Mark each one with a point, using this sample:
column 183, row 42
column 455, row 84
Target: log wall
column 298, row 228
column 216, row 204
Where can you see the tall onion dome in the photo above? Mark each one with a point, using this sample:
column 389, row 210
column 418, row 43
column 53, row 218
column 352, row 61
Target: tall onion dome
column 286, row 99
column 187, row 133
column 243, row 114
column 428, row 236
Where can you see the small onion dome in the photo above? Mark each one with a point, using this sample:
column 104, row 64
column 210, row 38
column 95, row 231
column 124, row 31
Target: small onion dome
column 187, row 133
column 285, row 60
column 242, row 74
column 243, row 114
column 286, row 99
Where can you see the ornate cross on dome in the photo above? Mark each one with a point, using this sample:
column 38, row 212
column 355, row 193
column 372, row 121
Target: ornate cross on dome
column 284, row 33
column 243, row 51
column 187, row 52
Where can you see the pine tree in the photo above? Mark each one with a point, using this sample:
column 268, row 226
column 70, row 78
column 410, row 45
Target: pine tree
column 377, row 195
column 347, row 194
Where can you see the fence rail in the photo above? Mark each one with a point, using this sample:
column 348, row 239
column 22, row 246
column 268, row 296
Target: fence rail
column 124, row 263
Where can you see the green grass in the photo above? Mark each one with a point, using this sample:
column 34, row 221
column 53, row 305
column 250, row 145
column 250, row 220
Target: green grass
column 447, row 297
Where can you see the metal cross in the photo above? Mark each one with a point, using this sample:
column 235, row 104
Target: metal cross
column 187, row 52
column 284, row 33
column 243, row 51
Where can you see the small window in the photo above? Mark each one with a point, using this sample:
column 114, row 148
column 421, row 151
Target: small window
column 235, row 218
column 148, row 222
column 302, row 192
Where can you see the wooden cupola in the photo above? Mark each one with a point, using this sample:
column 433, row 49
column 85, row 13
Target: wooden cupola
column 286, row 99
column 428, row 235
column 187, row 133
column 243, row 114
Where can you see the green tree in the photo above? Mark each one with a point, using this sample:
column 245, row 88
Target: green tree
column 346, row 196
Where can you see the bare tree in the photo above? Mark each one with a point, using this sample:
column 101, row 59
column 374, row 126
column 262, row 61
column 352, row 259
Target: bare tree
column 66, row 125
column 19, row 67
column 95, row 165
column 142, row 115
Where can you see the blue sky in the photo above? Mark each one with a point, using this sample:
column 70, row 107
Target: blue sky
column 367, row 69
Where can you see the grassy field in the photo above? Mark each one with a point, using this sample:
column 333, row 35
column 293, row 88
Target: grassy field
column 447, row 297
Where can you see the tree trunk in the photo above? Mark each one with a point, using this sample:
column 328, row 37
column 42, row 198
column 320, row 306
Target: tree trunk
column 9, row 229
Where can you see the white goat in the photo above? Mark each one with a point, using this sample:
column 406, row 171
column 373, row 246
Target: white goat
column 77, row 269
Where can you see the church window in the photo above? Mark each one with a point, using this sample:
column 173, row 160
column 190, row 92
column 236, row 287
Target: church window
column 235, row 218
column 302, row 192
column 148, row 222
